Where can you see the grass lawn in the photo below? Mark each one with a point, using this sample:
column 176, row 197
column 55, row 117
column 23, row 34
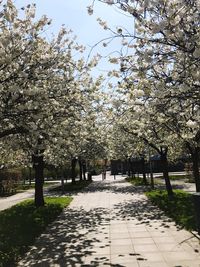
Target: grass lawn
column 136, row 181
column 22, row 223
column 158, row 180
column 68, row 187
column 180, row 208
column 178, row 177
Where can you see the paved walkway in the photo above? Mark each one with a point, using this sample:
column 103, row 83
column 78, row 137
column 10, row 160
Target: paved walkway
column 8, row 202
column 113, row 224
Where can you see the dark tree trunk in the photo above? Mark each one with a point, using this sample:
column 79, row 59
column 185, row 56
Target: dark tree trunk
column 195, row 167
column 143, row 171
column 104, row 169
column 129, row 167
column 89, row 176
column 152, row 180
column 164, row 162
column 38, row 164
column 80, row 169
column 132, row 168
column 73, row 170
column 124, row 167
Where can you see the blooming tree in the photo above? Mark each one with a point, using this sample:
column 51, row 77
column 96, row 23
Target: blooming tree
column 44, row 86
column 163, row 57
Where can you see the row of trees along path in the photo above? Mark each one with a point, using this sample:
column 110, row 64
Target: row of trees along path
column 53, row 111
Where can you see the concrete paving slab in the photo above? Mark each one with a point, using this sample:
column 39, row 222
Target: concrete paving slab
column 184, row 264
column 163, row 240
column 154, row 264
column 178, row 256
column 143, row 240
column 140, row 234
column 114, row 236
column 145, row 247
column 152, row 256
column 123, row 259
column 121, row 242
column 169, row 247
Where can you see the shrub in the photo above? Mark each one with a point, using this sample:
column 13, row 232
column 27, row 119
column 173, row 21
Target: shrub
column 9, row 178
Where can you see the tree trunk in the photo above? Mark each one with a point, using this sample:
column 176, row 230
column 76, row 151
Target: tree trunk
column 38, row 164
column 80, row 169
column 143, row 171
column 151, row 173
column 195, row 167
column 89, row 176
column 129, row 167
column 104, row 168
column 73, row 170
column 164, row 163
column 152, row 180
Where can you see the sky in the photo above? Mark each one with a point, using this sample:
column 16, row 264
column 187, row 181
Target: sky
column 73, row 14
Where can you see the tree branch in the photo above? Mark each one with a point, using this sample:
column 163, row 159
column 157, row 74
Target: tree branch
column 12, row 131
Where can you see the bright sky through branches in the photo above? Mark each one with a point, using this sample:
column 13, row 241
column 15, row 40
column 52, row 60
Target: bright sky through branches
column 74, row 15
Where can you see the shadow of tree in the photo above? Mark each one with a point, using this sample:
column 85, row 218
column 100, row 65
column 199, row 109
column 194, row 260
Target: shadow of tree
column 115, row 187
column 140, row 208
column 143, row 211
column 70, row 239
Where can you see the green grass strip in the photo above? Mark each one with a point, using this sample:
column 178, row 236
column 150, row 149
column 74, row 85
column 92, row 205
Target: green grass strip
column 68, row 187
column 178, row 177
column 180, row 207
column 22, row 223
column 136, row 181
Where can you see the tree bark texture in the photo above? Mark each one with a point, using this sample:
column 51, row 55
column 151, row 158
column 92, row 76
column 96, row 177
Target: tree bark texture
column 129, row 167
column 73, row 170
column 80, row 169
column 195, row 167
column 38, row 165
column 164, row 162
column 144, row 171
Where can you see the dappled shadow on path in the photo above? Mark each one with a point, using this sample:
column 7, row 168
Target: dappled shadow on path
column 70, row 239
column 143, row 212
column 115, row 187
column 136, row 207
